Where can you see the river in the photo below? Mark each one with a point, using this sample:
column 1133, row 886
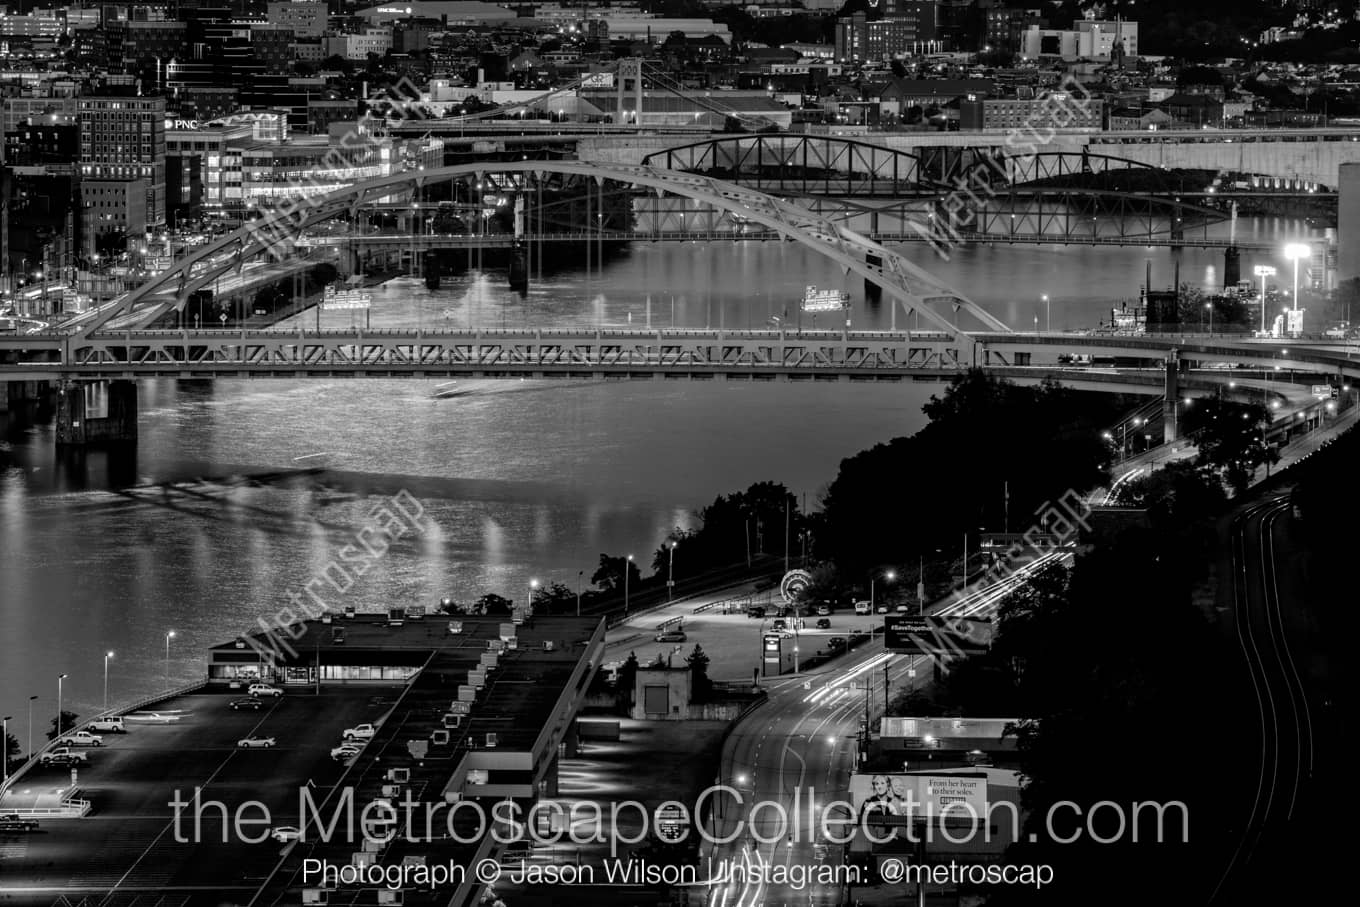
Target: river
column 200, row 534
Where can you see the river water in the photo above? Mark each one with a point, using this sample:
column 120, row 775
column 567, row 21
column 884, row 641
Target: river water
column 200, row 533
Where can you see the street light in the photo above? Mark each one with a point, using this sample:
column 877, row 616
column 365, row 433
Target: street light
column 31, row 700
column 670, row 573
column 1294, row 251
column 1048, row 313
column 1263, row 271
column 889, row 576
column 4, row 747
column 107, row 656
column 60, row 678
column 533, row 587
column 169, row 635
column 1210, row 307
column 627, row 569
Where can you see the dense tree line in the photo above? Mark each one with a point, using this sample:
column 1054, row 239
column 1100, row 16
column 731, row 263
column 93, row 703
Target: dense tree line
column 991, row 447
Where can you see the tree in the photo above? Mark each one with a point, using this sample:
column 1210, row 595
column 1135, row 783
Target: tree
column 701, row 687
column 68, row 723
column 492, row 604
column 609, row 577
column 449, row 606
column 1231, row 438
column 628, row 675
column 554, row 598
column 15, row 753
column 901, row 498
column 1175, row 495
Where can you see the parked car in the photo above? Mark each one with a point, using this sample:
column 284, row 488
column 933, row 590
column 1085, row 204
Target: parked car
column 862, row 607
column 264, row 689
column 823, row 609
column 12, row 822
column 881, row 609
column 344, row 751
column 901, row 609
column 247, row 702
column 63, row 755
column 836, row 643
column 755, row 611
column 285, row 833
column 779, row 624
column 359, row 732
column 84, row 738
column 823, row 623
column 247, row 743
column 671, row 636
column 110, row 725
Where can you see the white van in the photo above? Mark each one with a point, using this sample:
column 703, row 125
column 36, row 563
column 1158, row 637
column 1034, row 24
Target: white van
column 862, row 606
column 110, row 725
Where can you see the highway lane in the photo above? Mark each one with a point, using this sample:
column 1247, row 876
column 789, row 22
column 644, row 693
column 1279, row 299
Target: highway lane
column 798, row 750
column 1284, row 730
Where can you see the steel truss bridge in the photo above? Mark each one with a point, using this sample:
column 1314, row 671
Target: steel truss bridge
column 87, row 348
column 692, row 354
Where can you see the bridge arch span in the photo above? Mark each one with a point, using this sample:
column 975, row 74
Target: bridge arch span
column 275, row 236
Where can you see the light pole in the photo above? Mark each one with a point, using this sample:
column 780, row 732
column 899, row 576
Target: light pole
column 670, row 573
column 31, row 700
column 107, row 656
column 4, row 747
column 1210, row 307
column 60, row 678
column 889, row 576
column 169, row 635
column 627, row 569
column 579, row 575
column 1263, row 271
column 533, row 587
column 1048, row 313
column 921, row 586
column 1294, row 251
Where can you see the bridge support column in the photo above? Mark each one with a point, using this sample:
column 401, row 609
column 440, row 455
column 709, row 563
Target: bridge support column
column 519, row 270
column 431, row 267
column 1171, row 401
column 872, row 291
column 1232, row 266
column 96, row 412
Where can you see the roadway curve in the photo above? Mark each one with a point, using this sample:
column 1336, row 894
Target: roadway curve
column 799, row 749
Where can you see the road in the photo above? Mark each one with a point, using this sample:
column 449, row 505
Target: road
column 799, row 749
column 1263, row 622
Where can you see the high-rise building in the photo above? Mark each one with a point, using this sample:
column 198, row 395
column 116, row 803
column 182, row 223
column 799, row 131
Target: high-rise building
column 123, row 138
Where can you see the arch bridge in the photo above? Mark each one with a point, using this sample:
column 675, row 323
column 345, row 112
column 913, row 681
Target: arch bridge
column 276, row 236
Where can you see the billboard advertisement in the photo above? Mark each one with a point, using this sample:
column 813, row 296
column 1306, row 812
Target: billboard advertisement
column 941, row 637
column 908, row 796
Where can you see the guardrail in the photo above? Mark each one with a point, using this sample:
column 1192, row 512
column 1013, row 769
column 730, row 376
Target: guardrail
column 107, row 713
column 668, row 622
column 741, row 602
column 69, row 809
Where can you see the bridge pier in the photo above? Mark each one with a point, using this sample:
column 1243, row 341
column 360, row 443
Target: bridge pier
column 872, row 291
column 96, row 412
column 1171, row 400
column 431, row 269
column 1232, row 266
column 519, row 270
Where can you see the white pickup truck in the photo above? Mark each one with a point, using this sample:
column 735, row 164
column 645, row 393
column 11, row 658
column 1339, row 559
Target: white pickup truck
column 359, row 732
column 84, row 738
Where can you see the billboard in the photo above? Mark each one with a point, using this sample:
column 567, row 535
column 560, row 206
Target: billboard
column 903, row 797
column 941, row 637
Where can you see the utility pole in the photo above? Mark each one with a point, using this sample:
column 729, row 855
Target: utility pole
column 787, row 514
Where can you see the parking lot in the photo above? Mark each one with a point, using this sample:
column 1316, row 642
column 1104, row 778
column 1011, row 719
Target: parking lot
column 132, row 779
